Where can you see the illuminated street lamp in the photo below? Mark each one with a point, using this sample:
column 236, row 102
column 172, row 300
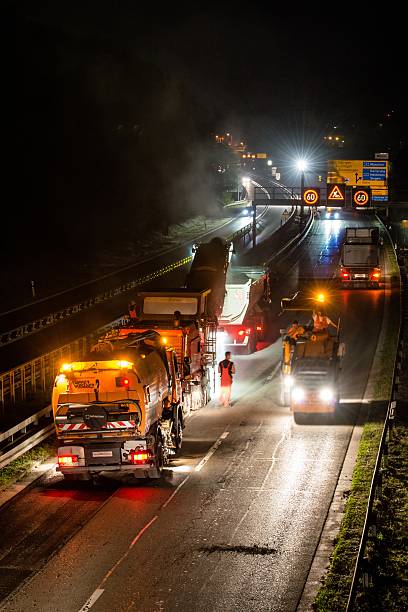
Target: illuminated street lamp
column 269, row 162
column 301, row 165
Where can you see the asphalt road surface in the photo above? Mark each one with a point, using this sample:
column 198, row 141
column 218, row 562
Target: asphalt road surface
column 235, row 522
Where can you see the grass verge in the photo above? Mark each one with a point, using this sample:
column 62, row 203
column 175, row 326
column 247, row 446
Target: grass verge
column 20, row 467
column 387, row 552
column 333, row 594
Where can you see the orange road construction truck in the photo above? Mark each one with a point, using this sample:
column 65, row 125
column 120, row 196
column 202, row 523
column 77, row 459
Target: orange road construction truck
column 242, row 320
column 310, row 366
column 360, row 258
column 123, row 408
column 120, row 409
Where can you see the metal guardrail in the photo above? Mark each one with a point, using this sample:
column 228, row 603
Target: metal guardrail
column 36, row 376
column 361, row 569
column 27, row 443
column 49, row 320
column 294, row 242
column 33, row 327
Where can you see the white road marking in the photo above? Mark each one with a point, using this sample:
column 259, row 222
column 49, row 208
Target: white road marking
column 95, row 595
column 99, row 591
column 212, row 450
column 261, row 488
column 272, row 374
column 176, row 491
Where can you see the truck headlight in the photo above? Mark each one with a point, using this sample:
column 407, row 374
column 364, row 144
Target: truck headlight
column 298, row 394
column 326, row 394
column 288, row 382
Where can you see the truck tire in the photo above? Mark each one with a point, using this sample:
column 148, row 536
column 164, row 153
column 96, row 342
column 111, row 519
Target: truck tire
column 178, row 436
column 301, row 418
column 159, row 455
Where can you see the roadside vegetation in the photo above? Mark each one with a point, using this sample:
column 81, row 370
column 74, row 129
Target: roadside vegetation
column 333, row 594
column 387, row 553
column 19, row 468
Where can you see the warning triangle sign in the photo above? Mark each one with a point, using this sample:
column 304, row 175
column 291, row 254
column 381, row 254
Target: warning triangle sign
column 336, row 194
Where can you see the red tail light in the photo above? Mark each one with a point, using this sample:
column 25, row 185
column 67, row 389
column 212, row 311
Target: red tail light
column 122, row 381
column 139, row 457
column 259, row 328
column 376, row 275
column 345, row 274
column 67, row 460
column 241, row 332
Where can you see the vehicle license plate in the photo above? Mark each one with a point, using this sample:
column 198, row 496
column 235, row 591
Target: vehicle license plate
column 101, row 453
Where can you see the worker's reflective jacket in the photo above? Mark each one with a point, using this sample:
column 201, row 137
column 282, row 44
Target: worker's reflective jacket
column 225, row 369
column 295, row 332
column 320, row 323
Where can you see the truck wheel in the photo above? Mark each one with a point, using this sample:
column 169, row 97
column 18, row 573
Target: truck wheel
column 300, row 418
column 159, row 456
column 178, row 438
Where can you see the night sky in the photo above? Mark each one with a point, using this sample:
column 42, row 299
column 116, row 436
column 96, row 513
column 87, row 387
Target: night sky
column 114, row 105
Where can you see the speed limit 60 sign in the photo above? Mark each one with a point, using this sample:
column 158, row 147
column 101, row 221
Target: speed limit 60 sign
column 362, row 196
column 311, row 196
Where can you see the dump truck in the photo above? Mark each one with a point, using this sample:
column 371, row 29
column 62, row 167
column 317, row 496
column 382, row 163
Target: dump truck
column 360, row 258
column 311, row 364
column 242, row 320
column 120, row 409
column 208, row 271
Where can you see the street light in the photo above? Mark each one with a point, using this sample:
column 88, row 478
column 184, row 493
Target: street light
column 301, row 165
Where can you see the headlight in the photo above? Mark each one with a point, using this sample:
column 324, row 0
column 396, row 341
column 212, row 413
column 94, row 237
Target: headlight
column 298, row 394
column 326, row 394
column 288, row 381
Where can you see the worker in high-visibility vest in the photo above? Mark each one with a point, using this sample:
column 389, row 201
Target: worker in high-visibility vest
column 292, row 335
column 321, row 322
column 295, row 330
column 226, row 370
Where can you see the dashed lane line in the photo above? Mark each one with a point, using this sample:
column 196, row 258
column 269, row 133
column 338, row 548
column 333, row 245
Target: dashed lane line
column 100, row 590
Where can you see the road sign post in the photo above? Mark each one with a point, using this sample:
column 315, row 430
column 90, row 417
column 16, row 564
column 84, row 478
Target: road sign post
column 302, row 188
column 253, row 224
